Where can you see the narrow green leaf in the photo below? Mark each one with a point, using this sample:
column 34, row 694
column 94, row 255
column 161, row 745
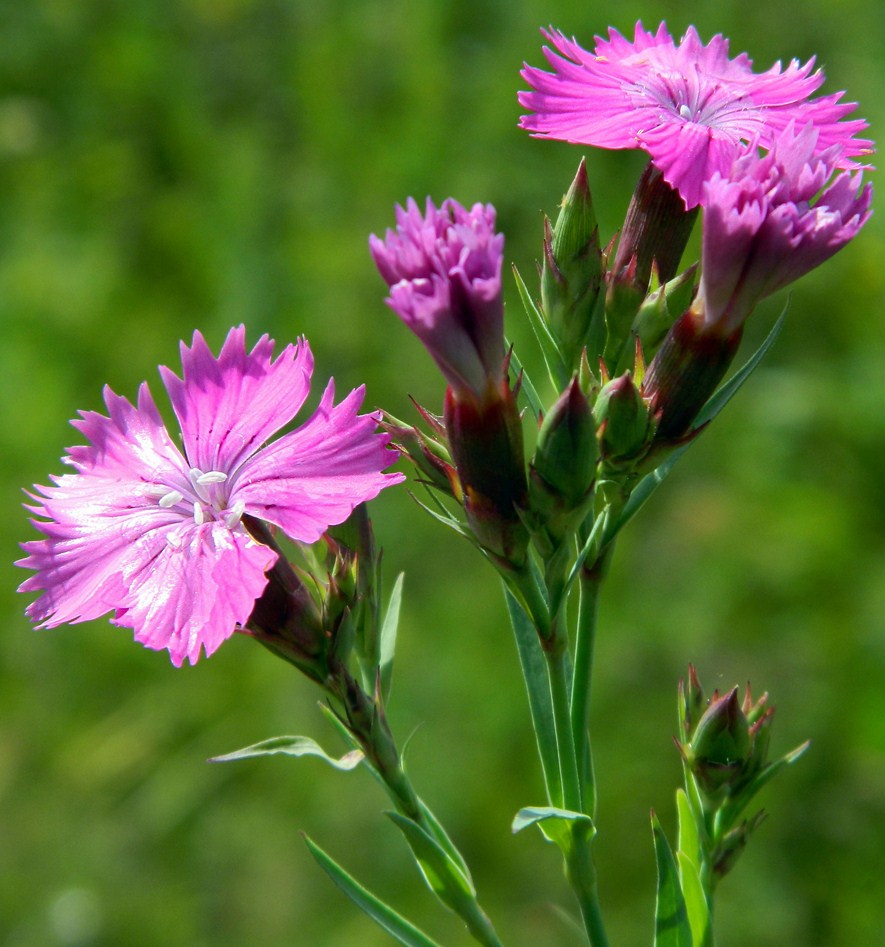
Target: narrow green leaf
column 546, row 342
column 689, row 840
column 695, row 902
column 387, row 642
column 733, row 809
column 558, row 825
column 292, row 746
column 534, row 671
column 445, row 841
column 526, row 385
column 443, row 515
column 672, row 928
column 383, row 914
column 442, row 874
column 720, row 399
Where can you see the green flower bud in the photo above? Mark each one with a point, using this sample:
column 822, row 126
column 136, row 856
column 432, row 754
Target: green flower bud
column 658, row 312
column 622, row 417
column 720, row 746
column 571, row 274
column 563, row 470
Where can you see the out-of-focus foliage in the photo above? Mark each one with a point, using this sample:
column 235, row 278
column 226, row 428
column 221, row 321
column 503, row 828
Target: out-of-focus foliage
column 171, row 166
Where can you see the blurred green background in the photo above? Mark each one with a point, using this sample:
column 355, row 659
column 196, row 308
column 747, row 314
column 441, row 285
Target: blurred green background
column 171, row 166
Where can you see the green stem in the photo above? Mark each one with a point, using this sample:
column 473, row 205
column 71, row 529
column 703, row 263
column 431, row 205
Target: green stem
column 367, row 723
column 580, row 870
column 585, row 640
column 557, row 672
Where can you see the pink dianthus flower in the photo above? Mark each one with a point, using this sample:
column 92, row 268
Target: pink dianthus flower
column 444, row 273
column 155, row 533
column 688, row 105
column 772, row 219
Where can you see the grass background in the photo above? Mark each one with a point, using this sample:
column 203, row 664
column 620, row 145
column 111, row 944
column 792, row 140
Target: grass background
column 171, row 166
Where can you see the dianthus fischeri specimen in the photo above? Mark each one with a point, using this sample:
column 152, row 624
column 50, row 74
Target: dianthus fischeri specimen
column 155, row 534
column 688, row 105
column 443, row 268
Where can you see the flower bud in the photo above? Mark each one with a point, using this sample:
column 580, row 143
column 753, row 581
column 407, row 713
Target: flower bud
column 720, row 747
column 656, row 229
column 623, row 300
column 426, row 453
column 563, row 470
column 622, row 417
column 286, row 618
column 485, row 438
column 658, row 312
column 686, row 370
column 571, row 274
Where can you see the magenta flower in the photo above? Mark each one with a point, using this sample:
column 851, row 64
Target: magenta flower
column 689, row 106
column 770, row 220
column 444, row 274
column 155, row 534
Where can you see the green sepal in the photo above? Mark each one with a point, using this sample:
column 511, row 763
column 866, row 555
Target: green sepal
column 557, row 825
column 387, row 637
column 442, row 873
column 720, row 399
column 672, row 928
column 556, row 367
column 293, row 746
column 526, row 386
column 382, row 914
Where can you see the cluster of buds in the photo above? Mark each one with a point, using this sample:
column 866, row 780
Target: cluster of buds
column 724, row 744
column 634, row 347
column 319, row 612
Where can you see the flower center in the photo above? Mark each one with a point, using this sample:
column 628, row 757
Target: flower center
column 205, row 496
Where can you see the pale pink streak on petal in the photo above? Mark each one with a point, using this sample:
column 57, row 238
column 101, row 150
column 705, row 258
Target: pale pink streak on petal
column 189, row 593
column 97, row 532
column 313, row 477
column 230, row 405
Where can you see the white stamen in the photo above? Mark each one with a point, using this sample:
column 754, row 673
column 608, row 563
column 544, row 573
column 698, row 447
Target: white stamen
column 170, row 499
column 155, row 490
column 235, row 514
column 211, row 476
column 684, row 111
column 199, row 518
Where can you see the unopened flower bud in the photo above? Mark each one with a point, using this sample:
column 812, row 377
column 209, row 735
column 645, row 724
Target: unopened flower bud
column 622, row 303
column 485, row 438
column 659, row 311
column 622, row 417
column 426, row 453
column 571, row 274
column 720, row 746
column 286, row 618
column 685, row 372
column 563, row 470
column 656, row 229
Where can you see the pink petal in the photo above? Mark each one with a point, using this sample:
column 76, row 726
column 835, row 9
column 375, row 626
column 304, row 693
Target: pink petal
column 313, row 477
column 96, row 532
column 230, row 405
column 190, row 591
